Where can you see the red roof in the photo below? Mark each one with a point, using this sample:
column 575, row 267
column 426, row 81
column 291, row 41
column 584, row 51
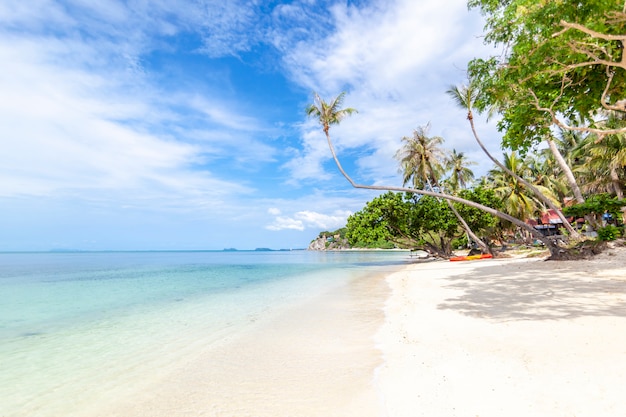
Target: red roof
column 547, row 217
column 550, row 217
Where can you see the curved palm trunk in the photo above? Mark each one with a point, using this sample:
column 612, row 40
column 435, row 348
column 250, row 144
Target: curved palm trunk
column 555, row 251
column 531, row 187
column 483, row 246
column 617, row 187
column 569, row 175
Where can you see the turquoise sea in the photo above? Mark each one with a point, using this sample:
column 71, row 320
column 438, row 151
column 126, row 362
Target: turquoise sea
column 76, row 325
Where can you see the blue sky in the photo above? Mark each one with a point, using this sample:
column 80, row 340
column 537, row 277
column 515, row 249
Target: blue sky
column 172, row 124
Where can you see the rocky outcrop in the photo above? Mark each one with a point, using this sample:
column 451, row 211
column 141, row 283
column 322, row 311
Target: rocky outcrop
column 324, row 242
column 318, row 244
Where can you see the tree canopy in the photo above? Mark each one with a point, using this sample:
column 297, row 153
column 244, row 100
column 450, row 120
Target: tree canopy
column 562, row 65
column 411, row 221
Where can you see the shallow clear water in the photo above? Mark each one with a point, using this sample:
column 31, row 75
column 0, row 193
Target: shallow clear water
column 75, row 325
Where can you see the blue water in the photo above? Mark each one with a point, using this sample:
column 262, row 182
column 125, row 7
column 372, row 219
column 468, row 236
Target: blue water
column 73, row 325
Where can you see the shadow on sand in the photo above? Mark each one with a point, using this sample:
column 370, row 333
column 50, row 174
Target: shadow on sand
column 535, row 292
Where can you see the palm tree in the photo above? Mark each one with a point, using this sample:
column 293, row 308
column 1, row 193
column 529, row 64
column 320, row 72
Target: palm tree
column 465, row 96
column 517, row 200
column 324, row 112
column 460, row 175
column 329, row 114
column 421, row 160
column 546, row 172
column 604, row 168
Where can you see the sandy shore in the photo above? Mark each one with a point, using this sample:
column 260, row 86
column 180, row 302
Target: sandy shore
column 511, row 337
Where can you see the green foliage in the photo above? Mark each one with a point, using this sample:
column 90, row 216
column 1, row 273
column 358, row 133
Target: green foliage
column 408, row 220
column 609, row 232
column 459, row 242
column 596, row 205
column 341, row 232
column 429, row 214
column 371, row 226
column 476, row 219
column 544, row 67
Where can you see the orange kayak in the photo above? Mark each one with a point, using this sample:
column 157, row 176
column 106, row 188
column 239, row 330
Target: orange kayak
column 470, row 257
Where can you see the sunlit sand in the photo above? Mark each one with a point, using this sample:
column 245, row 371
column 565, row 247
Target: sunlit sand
column 512, row 337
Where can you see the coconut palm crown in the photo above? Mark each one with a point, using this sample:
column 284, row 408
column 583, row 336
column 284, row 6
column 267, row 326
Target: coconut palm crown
column 329, row 113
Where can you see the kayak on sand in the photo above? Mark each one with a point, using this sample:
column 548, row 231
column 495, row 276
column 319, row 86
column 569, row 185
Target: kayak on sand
column 470, row 257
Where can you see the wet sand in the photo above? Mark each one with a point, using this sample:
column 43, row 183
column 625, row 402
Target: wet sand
column 316, row 359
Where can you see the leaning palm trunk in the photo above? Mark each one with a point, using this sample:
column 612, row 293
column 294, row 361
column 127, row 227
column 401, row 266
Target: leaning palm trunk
column 571, row 180
column 573, row 233
column 554, row 249
column 615, row 182
column 483, row 246
column 465, row 98
column 569, row 175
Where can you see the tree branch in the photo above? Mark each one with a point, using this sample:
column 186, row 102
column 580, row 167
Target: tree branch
column 595, row 60
column 567, row 26
column 600, row 132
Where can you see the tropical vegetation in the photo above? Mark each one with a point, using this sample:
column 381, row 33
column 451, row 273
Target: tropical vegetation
column 559, row 92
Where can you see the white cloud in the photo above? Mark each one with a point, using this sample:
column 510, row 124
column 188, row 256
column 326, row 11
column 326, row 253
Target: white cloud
column 307, row 164
column 308, row 219
column 396, row 59
column 60, row 134
column 282, row 223
column 324, row 221
column 81, row 116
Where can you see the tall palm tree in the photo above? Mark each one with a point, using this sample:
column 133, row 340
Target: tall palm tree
column 465, row 96
column 329, row 114
column 517, row 199
column 457, row 165
column 320, row 109
column 421, row 160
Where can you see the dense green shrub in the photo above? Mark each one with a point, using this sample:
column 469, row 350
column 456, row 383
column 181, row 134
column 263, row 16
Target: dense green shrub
column 460, row 243
column 609, row 232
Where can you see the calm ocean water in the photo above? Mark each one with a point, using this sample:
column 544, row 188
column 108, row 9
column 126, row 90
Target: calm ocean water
column 74, row 326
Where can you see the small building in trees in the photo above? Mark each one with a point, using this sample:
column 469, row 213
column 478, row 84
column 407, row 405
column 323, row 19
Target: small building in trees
column 548, row 223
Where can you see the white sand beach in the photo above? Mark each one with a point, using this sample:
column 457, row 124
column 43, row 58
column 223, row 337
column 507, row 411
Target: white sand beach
column 509, row 337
